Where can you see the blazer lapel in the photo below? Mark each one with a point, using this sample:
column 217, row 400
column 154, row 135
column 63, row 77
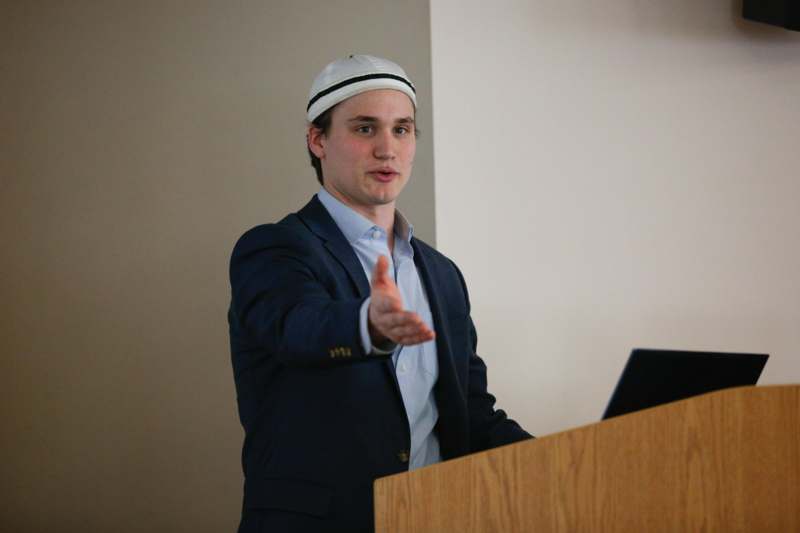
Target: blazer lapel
column 433, row 288
column 451, row 395
column 319, row 221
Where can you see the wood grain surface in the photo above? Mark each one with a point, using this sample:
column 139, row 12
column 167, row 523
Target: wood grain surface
column 725, row 461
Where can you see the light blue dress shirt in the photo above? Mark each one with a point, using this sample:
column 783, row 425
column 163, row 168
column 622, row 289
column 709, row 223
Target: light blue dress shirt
column 416, row 366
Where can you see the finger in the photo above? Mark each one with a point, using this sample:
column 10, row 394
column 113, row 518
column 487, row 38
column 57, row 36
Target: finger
column 411, row 340
column 394, row 333
column 411, row 330
column 391, row 321
column 406, row 331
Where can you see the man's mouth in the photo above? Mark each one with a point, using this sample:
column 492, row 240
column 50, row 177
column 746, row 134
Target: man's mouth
column 384, row 175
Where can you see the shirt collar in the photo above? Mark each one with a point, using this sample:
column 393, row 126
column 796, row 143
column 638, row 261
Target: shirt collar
column 354, row 225
column 402, row 227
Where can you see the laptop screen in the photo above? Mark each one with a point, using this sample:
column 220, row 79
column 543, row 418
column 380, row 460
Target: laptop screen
column 654, row 377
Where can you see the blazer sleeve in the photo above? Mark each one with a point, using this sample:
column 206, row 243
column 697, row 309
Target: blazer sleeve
column 489, row 427
column 282, row 303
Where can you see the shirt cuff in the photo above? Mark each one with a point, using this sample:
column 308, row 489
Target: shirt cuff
column 366, row 341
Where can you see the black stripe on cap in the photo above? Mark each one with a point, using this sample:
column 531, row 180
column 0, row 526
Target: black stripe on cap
column 357, row 79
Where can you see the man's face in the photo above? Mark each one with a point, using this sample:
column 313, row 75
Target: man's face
column 368, row 152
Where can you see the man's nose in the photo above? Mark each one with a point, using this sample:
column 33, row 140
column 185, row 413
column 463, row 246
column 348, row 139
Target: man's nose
column 385, row 146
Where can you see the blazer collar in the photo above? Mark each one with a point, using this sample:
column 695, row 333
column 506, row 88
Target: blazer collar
column 319, row 221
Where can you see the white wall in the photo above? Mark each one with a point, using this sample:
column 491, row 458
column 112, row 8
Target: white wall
column 612, row 175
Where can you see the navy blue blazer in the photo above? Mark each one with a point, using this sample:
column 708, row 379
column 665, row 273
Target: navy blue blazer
column 323, row 419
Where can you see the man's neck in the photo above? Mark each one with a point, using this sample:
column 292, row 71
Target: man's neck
column 381, row 215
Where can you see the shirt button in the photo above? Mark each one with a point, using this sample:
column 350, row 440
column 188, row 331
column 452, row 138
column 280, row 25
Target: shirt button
column 376, row 234
column 402, row 367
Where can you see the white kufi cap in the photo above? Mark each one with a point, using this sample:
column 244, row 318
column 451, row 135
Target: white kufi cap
column 356, row 74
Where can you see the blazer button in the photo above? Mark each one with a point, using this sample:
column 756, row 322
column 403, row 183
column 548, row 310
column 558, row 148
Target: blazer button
column 403, row 456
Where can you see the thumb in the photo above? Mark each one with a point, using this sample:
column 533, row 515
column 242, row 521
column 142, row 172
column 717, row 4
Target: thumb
column 381, row 271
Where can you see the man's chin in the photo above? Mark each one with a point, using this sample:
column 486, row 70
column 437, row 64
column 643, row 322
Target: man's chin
column 384, row 199
column 385, row 195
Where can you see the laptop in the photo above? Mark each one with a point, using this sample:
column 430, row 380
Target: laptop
column 654, row 377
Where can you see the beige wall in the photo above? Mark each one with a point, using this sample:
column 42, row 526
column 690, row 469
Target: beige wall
column 138, row 140
column 611, row 175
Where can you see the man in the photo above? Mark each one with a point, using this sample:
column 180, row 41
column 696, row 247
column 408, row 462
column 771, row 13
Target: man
column 352, row 345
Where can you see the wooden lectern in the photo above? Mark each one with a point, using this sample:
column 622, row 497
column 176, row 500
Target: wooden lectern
column 725, row 461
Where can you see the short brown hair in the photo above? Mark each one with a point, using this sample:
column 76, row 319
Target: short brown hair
column 323, row 123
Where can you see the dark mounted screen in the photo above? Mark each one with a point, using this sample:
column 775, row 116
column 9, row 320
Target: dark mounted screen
column 785, row 13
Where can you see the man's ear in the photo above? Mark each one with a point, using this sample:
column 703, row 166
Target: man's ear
column 316, row 141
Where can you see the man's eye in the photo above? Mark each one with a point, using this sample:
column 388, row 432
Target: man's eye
column 401, row 130
column 364, row 129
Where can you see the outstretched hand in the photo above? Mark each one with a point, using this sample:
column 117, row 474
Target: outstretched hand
column 387, row 319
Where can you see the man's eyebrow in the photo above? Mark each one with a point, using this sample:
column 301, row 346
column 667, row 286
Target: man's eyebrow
column 366, row 118
column 362, row 118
